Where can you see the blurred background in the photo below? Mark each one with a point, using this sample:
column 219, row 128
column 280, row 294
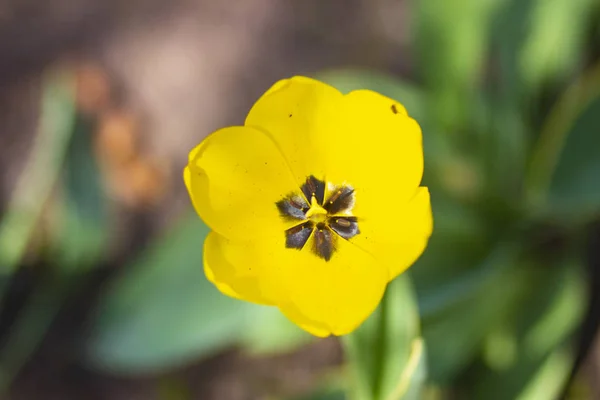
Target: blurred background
column 102, row 292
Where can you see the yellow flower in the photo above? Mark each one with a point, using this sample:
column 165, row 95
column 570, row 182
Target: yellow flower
column 314, row 204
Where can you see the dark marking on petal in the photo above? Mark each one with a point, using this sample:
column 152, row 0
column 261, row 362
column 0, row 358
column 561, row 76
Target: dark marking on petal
column 346, row 227
column 394, row 109
column 335, row 195
column 297, row 236
column 298, row 202
column 314, row 187
column 341, row 200
column 293, row 206
column 290, row 116
column 323, row 245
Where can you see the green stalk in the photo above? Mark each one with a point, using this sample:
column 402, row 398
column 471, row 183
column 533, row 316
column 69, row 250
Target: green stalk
column 41, row 171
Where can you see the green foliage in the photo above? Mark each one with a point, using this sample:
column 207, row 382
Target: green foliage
column 82, row 232
column 17, row 226
column 272, row 333
column 541, row 362
column 573, row 184
column 555, row 40
column 565, row 166
column 385, row 353
column 451, row 43
column 163, row 312
column 489, row 292
column 41, row 171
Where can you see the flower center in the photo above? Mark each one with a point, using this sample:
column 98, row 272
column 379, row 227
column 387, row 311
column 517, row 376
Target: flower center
column 325, row 220
column 316, row 213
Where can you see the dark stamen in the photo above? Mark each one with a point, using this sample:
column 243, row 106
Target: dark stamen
column 341, row 200
column 323, row 244
column 314, row 187
column 324, row 234
column 346, row 227
column 293, row 207
column 297, row 236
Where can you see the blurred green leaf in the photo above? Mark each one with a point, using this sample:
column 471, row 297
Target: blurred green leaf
column 82, row 230
column 385, row 352
column 41, row 170
column 459, row 243
column 475, row 306
column 534, row 42
column 163, row 312
column 23, row 212
column 563, row 302
column 549, row 380
column 557, row 29
column 506, row 137
column 563, row 173
column 451, row 42
column 555, row 307
column 506, row 133
column 273, row 333
column 510, row 26
column 469, row 284
column 414, row 376
column 537, row 378
column 29, row 329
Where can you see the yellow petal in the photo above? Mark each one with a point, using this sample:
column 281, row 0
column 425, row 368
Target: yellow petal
column 340, row 293
column 234, row 178
column 397, row 238
column 316, row 328
column 238, row 281
column 363, row 139
column 388, row 164
column 298, row 113
column 322, row 297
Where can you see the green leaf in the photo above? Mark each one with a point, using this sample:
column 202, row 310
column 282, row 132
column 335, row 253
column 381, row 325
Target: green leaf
column 555, row 308
column 23, row 212
column 543, row 41
column 385, row 352
column 536, row 378
column 41, row 171
column 508, row 43
column 452, row 38
column 562, row 178
column 556, row 39
column 30, row 327
column 162, row 312
column 551, row 376
column 414, row 377
column 562, row 307
column 459, row 243
column 467, row 310
column 272, row 333
column 82, row 231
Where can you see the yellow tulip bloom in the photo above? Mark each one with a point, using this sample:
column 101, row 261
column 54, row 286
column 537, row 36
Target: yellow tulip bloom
column 314, row 204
